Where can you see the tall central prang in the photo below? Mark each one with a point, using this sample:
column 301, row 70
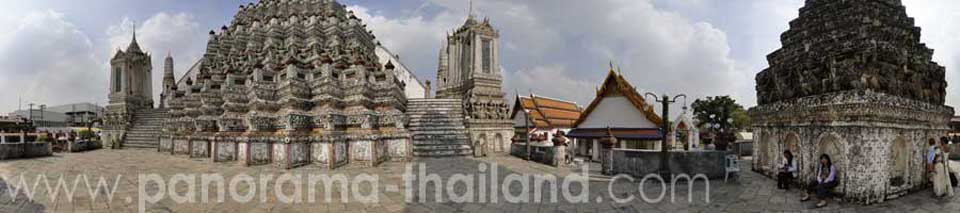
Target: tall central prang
column 469, row 70
column 290, row 83
column 852, row 81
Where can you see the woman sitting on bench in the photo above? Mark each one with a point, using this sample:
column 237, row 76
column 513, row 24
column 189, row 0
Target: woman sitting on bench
column 826, row 180
column 788, row 171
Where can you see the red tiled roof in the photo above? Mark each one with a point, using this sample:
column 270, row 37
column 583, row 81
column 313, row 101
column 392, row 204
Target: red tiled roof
column 548, row 112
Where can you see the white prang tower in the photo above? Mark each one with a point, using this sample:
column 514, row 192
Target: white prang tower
column 469, row 70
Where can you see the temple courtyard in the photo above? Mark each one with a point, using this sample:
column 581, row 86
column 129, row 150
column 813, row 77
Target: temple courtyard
column 751, row 193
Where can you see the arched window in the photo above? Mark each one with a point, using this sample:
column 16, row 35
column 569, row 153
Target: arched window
column 117, row 79
column 899, row 156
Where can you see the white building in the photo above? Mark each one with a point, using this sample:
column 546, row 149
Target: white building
column 412, row 86
column 685, row 132
column 618, row 111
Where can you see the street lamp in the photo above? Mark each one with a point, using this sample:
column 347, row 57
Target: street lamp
column 664, row 155
column 526, row 131
column 42, row 107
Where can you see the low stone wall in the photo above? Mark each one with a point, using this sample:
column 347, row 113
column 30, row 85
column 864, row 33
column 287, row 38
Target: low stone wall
column 330, row 155
column 199, row 148
column 224, row 151
column 540, row 154
column 165, row 144
column 290, row 152
column 639, row 163
column 24, row 150
column 83, row 145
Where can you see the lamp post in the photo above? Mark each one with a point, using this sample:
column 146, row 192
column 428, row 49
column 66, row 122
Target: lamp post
column 664, row 155
column 42, row 107
column 526, row 131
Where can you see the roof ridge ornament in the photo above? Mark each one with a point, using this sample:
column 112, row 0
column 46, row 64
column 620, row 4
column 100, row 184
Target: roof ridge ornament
column 470, row 12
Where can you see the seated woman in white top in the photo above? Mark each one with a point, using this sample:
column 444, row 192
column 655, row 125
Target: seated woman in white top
column 788, row 171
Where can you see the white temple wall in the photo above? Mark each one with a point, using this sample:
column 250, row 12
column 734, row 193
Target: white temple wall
column 413, row 88
column 616, row 112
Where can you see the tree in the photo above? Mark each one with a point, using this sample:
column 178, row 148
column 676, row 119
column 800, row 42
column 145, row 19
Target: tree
column 722, row 111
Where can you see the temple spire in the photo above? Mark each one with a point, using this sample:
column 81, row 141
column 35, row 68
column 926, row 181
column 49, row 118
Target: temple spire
column 470, row 12
column 134, row 32
column 134, row 46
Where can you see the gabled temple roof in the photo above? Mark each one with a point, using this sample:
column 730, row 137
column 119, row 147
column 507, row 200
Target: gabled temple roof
column 548, row 112
column 683, row 121
column 616, row 85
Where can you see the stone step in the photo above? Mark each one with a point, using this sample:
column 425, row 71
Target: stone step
column 444, row 153
column 439, row 119
column 438, row 128
column 425, row 105
column 142, row 139
column 456, row 121
column 144, row 136
column 434, row 117
column 439, row 132
column 140, row 146
column 159, row 115
column 441, row 143
column 143, row 132
column 422, row 136
column 428, row 148
column 435, row 124
column 432, row 100
column 451, row 129
column 433, row 112
column 430, row 106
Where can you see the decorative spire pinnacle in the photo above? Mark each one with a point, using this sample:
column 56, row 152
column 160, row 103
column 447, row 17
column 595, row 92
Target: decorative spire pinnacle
column 470, row 13
column 134, row 47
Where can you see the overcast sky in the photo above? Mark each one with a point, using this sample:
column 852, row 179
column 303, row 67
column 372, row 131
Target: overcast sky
column 57, row 52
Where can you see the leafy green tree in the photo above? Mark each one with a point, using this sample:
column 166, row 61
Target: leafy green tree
column 722, row 111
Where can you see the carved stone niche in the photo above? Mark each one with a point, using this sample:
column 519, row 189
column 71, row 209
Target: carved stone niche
column 231, row 125
column 298, row 122
column 261, row 123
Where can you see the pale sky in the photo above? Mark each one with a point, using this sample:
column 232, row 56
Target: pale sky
column 57, row 52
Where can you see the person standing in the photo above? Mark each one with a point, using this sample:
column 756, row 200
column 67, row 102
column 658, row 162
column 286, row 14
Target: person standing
column 941, row 174
column 931, row 154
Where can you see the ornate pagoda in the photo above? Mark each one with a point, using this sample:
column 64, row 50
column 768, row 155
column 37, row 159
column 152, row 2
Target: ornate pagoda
column 290, row 82
column 853, row 81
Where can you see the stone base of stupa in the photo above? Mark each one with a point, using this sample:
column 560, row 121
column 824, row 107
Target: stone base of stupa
column 878, row 142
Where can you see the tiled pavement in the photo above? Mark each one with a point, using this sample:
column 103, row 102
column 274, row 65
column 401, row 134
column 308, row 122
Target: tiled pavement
column 752, row 193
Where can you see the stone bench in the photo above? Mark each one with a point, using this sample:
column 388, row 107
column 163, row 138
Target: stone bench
column 83, row 145
column 24, row 150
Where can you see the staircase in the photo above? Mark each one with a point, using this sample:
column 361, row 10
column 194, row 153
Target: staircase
column 437, row 127
column 144, row 132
